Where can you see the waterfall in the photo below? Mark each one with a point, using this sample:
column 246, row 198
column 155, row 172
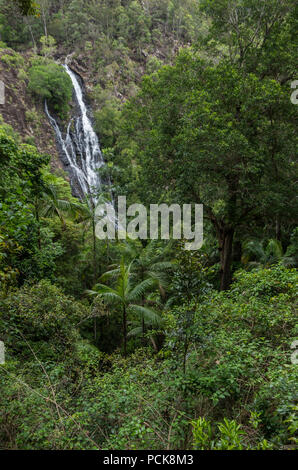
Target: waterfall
column 80, row 147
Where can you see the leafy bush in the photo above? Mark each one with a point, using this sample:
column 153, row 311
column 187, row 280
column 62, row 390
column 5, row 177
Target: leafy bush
column 13, row 59
column 227, row 435
column 238, row 345
column 51, row 82
column 43, row 315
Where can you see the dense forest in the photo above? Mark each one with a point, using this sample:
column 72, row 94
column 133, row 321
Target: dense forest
column 137, row 344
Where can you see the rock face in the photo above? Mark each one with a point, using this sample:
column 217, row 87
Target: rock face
column 21, row 111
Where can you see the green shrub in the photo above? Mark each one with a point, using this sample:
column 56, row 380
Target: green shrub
column 238, row 349
column 32, row 117
column 13, row 59
column 226, row 435
column 52, row 83
column 40, row 315
column 22, row 75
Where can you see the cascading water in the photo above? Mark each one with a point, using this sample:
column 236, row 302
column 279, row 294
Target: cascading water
column 80, row 148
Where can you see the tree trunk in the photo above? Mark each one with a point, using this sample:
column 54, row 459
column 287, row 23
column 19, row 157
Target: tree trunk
column 154, row 344
column 31, row 33
column 226, row 252
column 44, row 20
column 237, row 251
column 124, row 331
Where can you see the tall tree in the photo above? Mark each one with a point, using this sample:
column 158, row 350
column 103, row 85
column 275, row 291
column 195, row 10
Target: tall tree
column 258, row 35
column 127, row 295
column 216, row 135
column 52, row 204
column 89, row 217
column 149, row 263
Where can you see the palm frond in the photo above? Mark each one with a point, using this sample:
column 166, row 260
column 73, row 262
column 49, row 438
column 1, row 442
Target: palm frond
column 91, row 292
column 162, row 266
column 109, row 274
column 274, row 248
column 103, row 289
column 253, row 249
column 137, row 331
column 138, row 291
column 112, row 297
column 150, row 315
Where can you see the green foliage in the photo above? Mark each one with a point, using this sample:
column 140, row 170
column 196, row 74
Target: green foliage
column 209, row 133
column 8, row 274
column 235, row 337
column 30, row 317
column 48, row 48
column 238, row 378
column 50, row 82
column 108, row 117
column 203, row 369
column 126, row 294
column 228, row 436
column 13, row 59
column 257, row 34
column 22, row 190
column 258, row 253
column 27, row 7
column 116, row 41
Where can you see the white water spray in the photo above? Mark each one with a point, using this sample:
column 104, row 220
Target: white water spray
column 80, row 147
